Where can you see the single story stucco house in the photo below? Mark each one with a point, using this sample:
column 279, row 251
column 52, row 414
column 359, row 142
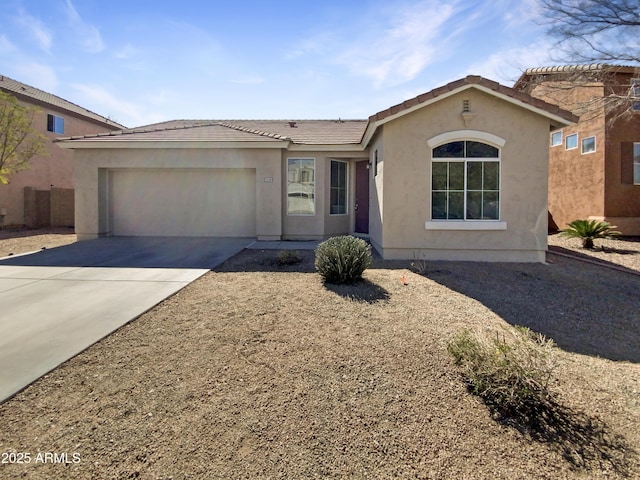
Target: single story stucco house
column 458, row 173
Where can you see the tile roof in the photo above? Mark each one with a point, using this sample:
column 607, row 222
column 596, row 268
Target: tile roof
column 189, row 132
column 23, row 90
column 579, row 68
column 304, row 132
column 523, row 82
column 480, row 81
column 311, row 132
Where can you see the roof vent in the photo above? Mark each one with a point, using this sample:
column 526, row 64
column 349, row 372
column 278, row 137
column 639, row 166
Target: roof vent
column 467, row 116
column 293, row 124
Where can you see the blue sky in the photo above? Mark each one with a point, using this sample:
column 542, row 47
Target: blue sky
column 143, row 61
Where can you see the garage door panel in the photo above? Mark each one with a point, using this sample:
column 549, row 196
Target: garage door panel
column 183, row 202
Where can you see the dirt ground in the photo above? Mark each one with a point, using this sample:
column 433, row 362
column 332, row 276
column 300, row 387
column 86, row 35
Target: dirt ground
column 14, row 241
column 261, row 371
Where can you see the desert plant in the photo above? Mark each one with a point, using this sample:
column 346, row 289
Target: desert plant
column 419, row 264
column 511, row 374
column 289, row 257
column 342, row 259
column 589, row 230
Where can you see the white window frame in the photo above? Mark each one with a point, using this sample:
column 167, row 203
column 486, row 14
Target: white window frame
column 558, row 132
column 636, row 163
column 460, row 135
column 346, row 187
column 582, row 151
column 567, row 137
column 55, row 124
column 313, row 186
column 467, row 224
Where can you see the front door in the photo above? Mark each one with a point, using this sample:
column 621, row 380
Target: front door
column 362, row 197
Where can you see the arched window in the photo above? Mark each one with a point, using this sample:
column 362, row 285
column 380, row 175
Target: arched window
column 465, row 181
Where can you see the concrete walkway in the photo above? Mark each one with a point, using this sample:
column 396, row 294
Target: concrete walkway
column 56, row 303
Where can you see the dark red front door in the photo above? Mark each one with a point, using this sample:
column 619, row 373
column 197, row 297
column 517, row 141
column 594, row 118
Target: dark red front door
column 362, row 197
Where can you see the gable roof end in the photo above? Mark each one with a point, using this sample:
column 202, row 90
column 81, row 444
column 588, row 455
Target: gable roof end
column 557, row 115
column 469, row 81
column 44, row 98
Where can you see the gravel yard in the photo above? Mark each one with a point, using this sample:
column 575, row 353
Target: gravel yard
column 621, row 251
column 14, row 241
column 261, row 371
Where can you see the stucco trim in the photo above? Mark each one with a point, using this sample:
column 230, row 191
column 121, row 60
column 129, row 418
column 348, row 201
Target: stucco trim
column 465, row 135
column 339, row 147
column 464, row 225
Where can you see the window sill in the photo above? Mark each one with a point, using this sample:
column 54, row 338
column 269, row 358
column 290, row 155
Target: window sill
column 477, row 225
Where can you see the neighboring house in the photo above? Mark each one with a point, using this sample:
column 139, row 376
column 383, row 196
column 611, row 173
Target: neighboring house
column 42, row 195
column 594, row 165
column 457, row 173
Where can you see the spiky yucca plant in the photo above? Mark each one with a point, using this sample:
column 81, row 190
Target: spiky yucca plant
column 589, row 230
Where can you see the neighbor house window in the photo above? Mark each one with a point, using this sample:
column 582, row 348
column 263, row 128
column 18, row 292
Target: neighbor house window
column 589, row 145
column 55, row 124
column 571, row 141
column 556, row 138
column 635, row 93
column 465, row 181
column 338, row 188
column 636, row 163
column 301, row 188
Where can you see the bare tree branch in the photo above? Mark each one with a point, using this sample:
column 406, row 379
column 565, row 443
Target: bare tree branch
column 592, row 31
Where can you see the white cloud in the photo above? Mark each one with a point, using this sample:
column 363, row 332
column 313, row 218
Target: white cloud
column 506, row 66
column 36, row 74
column 6, row 45
column 523, row 12
column 103, row 102
column 35, row 29
column 126, row 52
column 89, row 34
column 390, row 46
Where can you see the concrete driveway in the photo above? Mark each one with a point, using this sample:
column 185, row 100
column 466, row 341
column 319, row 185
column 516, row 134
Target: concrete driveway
column 55, row 303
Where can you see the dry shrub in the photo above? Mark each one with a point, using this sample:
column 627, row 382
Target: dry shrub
column 511, row 373
column 289, row 257
column 512, row 376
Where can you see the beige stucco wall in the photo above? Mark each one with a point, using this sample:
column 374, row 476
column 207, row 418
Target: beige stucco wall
column 407, row 182
column 91, row 177
column 400, row 193
column 52, row 170
column 376, row 192
column 322, row 224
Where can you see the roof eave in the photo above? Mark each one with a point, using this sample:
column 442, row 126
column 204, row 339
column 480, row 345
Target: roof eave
column 334, row 147
column 72, row 144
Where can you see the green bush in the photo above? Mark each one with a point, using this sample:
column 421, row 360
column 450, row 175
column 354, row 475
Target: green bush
column 589, row 230
column 342, row 259
column 512, row 374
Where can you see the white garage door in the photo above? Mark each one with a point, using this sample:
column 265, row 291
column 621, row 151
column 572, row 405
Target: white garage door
column 183, row 202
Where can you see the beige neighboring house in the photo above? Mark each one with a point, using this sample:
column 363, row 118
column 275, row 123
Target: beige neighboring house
column 458, row 173
column 43, row 194
column 594, row 165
